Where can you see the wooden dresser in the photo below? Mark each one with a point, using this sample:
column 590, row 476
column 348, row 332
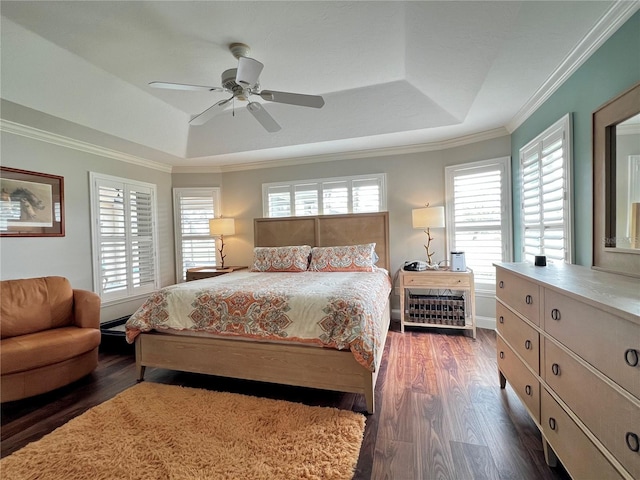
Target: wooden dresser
column 569, row 345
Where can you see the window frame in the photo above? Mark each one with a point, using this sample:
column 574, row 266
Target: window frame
column 215, row 194
column 130, row 292
column 563, row 128
column 506, row 231
column 291, row 187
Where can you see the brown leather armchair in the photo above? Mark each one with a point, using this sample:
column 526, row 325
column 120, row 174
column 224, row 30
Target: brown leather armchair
column 50, row 335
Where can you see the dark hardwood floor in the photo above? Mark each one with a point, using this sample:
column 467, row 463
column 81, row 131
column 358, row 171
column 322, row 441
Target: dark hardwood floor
column 440, row 413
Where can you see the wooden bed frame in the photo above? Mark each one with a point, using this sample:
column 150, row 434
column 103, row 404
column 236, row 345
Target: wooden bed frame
column 288, row 364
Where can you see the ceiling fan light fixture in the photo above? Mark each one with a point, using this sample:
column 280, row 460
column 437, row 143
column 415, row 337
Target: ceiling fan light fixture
column 248, row 71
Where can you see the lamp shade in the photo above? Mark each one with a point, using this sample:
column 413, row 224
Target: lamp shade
column 428, row 217
column 222, row 226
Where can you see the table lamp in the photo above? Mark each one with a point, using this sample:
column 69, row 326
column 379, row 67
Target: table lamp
column 219, row 227
column 427, row 218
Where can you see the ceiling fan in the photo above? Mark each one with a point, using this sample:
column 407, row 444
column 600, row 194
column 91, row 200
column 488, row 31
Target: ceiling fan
column 242, row 82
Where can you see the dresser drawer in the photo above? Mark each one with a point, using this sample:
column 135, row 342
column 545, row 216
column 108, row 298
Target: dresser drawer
column 576, row 452
column 611, row 344
column 523, row 338
column 523, row 382
column 611, row 417
column 520, row 294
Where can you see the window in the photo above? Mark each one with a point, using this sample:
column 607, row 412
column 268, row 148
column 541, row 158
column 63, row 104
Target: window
column 478, row 211
column 124, row 236
column 546, row 195
column 193, row 207
column 328, row 196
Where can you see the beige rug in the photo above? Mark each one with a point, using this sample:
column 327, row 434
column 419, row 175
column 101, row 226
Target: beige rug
column 155, row 431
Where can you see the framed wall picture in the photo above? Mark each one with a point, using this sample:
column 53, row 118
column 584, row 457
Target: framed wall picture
column 31, row 204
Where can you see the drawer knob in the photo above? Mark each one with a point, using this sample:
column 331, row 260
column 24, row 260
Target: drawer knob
column 527, row 389
column 501, row 354
column 632, row 441
column 528, row 299
column 631, row 357
column 552, row 423
column 501, row 320
column 555, row 368
column 555, row 314
column 501, row 284
column 527, row 344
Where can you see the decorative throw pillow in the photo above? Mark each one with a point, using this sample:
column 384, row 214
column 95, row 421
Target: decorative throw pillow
column 293, row 258
column 349, row 258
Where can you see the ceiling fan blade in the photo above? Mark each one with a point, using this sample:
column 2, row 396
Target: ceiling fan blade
column 182, row 86
column 248, row 71
column 266, row 120
column 315, row 101
column 209, row 113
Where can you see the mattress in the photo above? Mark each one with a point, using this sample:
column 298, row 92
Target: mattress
column 341, row 310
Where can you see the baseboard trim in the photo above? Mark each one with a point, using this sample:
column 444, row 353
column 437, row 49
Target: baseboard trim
column 486, row 322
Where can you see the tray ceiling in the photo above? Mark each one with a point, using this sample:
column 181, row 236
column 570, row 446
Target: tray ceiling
column 391, row 73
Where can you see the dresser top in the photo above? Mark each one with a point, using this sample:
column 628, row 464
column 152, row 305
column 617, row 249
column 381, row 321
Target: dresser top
column 613, row 293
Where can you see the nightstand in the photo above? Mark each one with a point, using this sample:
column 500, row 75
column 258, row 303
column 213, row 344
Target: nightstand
column 199, row 273
column 434, row 302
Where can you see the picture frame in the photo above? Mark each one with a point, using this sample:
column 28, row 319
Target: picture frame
column 31, row 204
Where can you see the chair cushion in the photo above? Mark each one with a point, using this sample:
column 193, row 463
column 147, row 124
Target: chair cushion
column 35, row 304
column 36, row 350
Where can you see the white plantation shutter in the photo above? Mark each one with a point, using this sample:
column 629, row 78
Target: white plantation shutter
column 545, row 174
column 124, row 237
column 329, row 196
column 335, row 197
column 306, row 199
column 112, row 233
column 193, row 208
column 142, row 237
column 478, row 214
column 366, row 195
column 278, row 201
column 531, row 205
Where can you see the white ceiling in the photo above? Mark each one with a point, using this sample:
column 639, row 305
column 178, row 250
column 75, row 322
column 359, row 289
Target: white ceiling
column 392, row 73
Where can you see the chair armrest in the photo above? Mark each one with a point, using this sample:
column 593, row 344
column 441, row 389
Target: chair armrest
column 86, row 309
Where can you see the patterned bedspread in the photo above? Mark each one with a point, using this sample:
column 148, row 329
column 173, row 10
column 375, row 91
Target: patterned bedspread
column 340, row 310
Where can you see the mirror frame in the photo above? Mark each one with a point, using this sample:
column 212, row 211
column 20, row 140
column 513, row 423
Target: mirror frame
column 605, row 257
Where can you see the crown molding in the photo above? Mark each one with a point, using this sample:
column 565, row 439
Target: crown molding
column 62, row 141
column 613, row 19
column 196, row 169
column 347, row 155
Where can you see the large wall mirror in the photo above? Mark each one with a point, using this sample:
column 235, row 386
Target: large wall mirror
column 616, row 184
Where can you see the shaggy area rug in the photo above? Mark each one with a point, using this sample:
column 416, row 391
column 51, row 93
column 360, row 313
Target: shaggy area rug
column 156, row 431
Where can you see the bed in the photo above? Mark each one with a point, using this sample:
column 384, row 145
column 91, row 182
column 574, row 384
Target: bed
column 286, row 362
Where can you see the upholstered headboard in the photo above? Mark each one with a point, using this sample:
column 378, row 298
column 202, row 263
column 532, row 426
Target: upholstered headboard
column 326, row 231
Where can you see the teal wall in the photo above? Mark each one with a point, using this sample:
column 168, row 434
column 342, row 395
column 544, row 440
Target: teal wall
column 612, row 69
